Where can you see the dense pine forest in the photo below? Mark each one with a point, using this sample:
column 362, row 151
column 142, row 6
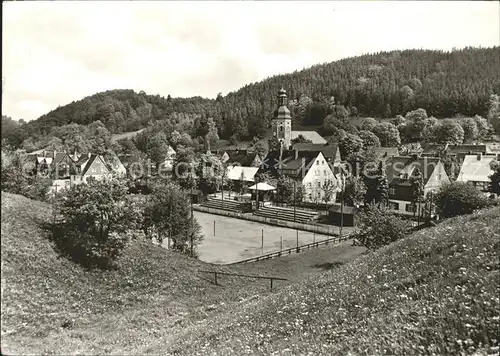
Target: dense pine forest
column 381, row 85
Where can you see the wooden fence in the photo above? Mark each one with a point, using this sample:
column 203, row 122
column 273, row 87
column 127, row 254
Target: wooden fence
column 289, row 251
column 215, row 273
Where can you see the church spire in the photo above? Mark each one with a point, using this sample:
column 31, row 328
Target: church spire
column 282, row 97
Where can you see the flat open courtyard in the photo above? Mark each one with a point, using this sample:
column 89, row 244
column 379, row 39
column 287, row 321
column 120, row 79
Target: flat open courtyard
column 237, row 239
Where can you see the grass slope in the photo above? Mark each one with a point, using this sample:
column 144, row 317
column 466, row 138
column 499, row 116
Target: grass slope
column 51, row 305
column 46, row 297
column 435, row 292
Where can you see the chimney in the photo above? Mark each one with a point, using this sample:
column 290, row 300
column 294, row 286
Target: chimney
column 479, row 156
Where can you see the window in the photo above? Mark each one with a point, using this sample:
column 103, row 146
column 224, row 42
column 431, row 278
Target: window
column 319, row 184
column 323, row 162
column 439, row 177
column 392, row 191
column 410, row 208
column 324, row 172
column 393, row 205
column 309, row 185
column 67, row 184
column 317, row 163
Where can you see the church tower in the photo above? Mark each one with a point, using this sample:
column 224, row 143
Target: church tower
column 282, row 121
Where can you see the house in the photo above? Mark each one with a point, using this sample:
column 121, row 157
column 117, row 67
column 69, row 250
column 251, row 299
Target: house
column 241, row 158
column 400, row 170
column 239, row 173
column 89, row 165
column 331, row 152
column 476, row 170
column 168, row 163
column 310, row 168
column 458, row 150
column 60, row 170
column 115, row 165
column 346, row 215
column 221, row 154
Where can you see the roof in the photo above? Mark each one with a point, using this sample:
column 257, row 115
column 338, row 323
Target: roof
column 236, row 172
column 329, row 151
column 350, row 210
column 309, row 135
column 282, row 112
column 400, row 169
column 290, row 164
column 476, row 168
column 92, row 159
column 242, row 157
column 83, row 158
column 470, row 149
column 60, row 157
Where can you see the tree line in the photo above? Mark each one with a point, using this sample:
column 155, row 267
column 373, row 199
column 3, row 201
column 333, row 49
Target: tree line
column 381, row 85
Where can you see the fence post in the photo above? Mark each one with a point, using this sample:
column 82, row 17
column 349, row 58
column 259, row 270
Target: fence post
column 215, row 274
column 214, row 227
column 271, row 283
column 262, row 238
column 298, row 249
column 281, row 244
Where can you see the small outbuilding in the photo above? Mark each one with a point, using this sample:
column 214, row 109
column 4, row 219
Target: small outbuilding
column 350, row 213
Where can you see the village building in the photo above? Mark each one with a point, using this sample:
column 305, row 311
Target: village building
column 89, row 165
column 310, row 164
column 399, row 172
column 476, row 169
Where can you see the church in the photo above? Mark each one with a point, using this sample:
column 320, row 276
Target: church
column 315, row 165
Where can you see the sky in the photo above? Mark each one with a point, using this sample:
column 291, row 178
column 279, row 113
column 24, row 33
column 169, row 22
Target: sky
column 57, row 52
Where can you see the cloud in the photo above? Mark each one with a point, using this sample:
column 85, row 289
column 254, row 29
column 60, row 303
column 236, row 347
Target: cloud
column 58, row 52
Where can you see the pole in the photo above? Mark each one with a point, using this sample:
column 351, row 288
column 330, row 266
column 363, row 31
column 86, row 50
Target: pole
column 314, row 237
column 256, row 196
column 222, row 186
column 169, row 241
column 297, row 231
column 294, row 203
column 281, row 243
column 192, row 214
column 341, row 209
column 214, row 227
column 262, row 238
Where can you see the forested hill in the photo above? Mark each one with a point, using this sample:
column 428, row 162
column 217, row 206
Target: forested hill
column 379, row 85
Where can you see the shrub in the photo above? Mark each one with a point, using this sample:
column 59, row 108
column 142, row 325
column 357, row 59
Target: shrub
column 19, row 177
column 458, row 198
column 378, row 226
column 168, row 213
column 94, row 221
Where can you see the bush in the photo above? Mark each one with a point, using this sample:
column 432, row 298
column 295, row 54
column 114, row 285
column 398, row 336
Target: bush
column 458, row 198
column 19, row 177
column 378, row 226
column 94, row 221
column 168, row 214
